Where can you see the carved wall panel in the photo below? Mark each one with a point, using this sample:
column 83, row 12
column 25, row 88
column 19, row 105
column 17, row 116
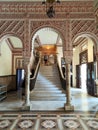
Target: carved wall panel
column 83, row 26
column 12, row 26
column 37, row 7
column 25, row 18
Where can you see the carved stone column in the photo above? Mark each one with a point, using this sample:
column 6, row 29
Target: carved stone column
column 96, row 15
column 26, row 55
column 68, row 59
column 97, row 64
column 96, row 81
column 26, row 105
column 27, row 90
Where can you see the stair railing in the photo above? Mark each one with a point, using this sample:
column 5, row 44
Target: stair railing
column 62, row 78
column 33, row 79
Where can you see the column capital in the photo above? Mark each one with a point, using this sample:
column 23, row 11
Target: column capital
column 68, row 56
column 26, row 62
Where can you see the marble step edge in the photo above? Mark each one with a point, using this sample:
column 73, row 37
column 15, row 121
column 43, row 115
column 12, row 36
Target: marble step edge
column 46, row 99
column 48, row 90
column 47, row 95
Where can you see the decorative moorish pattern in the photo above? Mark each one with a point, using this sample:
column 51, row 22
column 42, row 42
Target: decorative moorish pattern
column 23, row 19
column 25, row 124
column 12, row 27
column 83, row 26
column 93, row 124
column 48, row 124
column 71, row 124
column 36, row 7
column 4, row 124
column 44, row 121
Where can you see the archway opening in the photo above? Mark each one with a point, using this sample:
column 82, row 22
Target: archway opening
column 10, row 60
column 48, row 42
column 84, row 64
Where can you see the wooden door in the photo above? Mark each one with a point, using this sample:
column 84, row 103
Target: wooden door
column 78, row 76
column 91, row 78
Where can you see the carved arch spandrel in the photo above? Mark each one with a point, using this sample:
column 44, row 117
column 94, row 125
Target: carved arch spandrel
column 57, row 25
column 83, row 26
column 12, row 27
column 86, row 28
column 18, row 28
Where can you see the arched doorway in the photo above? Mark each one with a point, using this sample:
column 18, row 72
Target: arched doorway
column 10, row 59
column 48, row 41
column 84, row 63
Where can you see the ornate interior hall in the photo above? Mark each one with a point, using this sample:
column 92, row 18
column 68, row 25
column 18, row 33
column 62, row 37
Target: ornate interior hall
column 49, row 64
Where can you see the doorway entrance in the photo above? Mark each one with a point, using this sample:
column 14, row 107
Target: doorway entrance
column 83, row 72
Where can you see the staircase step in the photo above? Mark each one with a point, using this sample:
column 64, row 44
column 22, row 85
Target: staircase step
column 48, row 89
column 42, row 94
column 47, row 86
column 49, row 80
column 48, row 105
column 44, row 98
column 48, row 83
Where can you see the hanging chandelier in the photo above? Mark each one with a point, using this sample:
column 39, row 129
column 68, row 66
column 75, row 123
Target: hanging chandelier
column 50, row 11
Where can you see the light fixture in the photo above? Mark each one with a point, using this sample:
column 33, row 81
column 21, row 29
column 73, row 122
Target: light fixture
column 50, row 11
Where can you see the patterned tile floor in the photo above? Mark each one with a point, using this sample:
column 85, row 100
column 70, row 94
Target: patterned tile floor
column 48, row 121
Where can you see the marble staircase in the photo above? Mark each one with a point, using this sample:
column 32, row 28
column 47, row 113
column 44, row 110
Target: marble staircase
column 47, row 90
column 48, row 85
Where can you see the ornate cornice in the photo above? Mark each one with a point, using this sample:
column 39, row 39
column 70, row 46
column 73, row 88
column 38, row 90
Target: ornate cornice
column 68, row 6
column 35, row 10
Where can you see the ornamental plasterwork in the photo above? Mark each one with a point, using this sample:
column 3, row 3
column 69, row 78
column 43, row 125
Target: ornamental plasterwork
column 68, row 56
column 37, row 7
column 14, row 14
column 79, row 26
column 12, row 26
column 60, row 25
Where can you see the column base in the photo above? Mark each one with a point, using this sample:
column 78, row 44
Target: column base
column 68, row 107
column 25, row 107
